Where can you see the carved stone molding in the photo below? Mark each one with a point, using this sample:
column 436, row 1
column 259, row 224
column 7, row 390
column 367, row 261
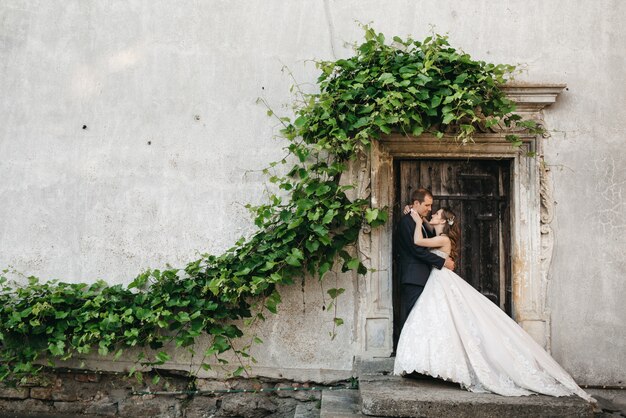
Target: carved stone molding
column 532, row 97
column 363, row 191
column 547, row 237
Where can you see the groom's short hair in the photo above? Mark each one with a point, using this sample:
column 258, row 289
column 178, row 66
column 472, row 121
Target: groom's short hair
column 420, row 194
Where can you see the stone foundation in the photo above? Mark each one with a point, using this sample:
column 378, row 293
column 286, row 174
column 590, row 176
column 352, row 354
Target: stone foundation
column 116, row 395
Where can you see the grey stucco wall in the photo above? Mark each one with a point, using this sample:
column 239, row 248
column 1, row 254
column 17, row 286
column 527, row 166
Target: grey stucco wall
column 174, row 140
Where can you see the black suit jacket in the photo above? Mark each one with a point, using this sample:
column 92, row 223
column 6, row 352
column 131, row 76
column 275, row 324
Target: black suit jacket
column 414, row 262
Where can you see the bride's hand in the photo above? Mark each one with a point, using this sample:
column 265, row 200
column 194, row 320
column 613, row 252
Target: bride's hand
column 406, row 209
column 416, row 217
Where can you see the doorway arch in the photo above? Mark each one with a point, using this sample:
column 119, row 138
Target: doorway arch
column 530, row 217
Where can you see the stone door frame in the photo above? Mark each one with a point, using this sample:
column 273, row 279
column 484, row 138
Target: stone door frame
column 531, row 215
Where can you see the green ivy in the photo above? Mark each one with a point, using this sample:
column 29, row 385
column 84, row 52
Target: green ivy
column 407, row 87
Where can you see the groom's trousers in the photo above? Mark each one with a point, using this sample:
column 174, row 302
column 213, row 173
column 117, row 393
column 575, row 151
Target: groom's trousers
column 410, row 294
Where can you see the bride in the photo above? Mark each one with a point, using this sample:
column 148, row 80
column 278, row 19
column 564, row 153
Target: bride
column 455, row 333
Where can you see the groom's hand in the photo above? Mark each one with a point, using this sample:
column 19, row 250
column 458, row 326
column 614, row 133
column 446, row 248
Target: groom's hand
column 449, row 264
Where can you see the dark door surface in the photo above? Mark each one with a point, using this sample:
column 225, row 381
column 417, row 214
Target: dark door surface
column 477, row 191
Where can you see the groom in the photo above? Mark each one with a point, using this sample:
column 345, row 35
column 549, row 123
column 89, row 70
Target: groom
column 414, row 262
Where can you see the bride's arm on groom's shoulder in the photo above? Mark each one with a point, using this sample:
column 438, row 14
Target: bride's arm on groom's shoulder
column 434, row 242
column 421, row 240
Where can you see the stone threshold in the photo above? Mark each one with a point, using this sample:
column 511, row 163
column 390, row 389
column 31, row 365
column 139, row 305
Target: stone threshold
column 381, row 394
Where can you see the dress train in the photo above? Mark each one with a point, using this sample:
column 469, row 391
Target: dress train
column 457, row 334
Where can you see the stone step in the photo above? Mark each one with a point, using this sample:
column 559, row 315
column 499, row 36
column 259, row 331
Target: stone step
column 378, row 366
column 393, row 396
column 340, row 404
column 307, row 410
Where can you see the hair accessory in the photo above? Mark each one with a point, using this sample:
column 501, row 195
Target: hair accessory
column 450, row 221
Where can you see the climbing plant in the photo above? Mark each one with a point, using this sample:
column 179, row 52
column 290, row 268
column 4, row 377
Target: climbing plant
column 407, row 86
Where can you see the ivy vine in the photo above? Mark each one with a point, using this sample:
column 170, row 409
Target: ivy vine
column 408, row 87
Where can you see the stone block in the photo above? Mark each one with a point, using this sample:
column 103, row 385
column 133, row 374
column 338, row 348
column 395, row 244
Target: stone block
column 393, row 396
column 41, row 380
column 201, row 407
column 307, row 410
column 149, row 406
column 249, row 384
column 340, row 404
column 613, row 400
column 14, row 393
column 69, row 389
column 64, row 394
column 41, row 393
column 70, row 407
column 285, row 407
column 209, row 385
column 25, row 406
column 67, row 396
column 105, row 408
column 253, row 405
column 118, row 394
column 88, row 377
column 49, row 386
column 375, row 367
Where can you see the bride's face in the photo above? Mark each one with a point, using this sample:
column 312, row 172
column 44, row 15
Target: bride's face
column 437, row 217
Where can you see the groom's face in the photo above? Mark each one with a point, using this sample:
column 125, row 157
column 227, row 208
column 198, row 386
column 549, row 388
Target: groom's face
column 423, row 208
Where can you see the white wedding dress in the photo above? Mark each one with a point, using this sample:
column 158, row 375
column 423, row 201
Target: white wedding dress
column 455, row 333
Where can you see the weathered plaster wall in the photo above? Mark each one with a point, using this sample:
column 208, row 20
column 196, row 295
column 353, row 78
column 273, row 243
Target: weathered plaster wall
column 168, row 90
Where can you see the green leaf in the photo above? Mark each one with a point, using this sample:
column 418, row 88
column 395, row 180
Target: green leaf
column 300, row 121
column 312, row 246
column 272, row 302
column 371, row 215
column 162, row 357
column 386, row 78
column 295, row 258
column 449, row 117
column 57, row 348
column 417, row 130
column 353, row 264
column 103, row 348
column 435, row 101
column 320, row 230
column 323, row 269
column 328, row 217
column 333, row 293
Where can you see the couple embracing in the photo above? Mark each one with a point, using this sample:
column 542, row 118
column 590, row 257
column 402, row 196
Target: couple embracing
column 450, row 330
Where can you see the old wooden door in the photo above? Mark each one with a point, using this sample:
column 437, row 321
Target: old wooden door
column 477, row 191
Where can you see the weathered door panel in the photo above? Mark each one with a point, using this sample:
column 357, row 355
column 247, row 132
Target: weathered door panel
column 478, row 192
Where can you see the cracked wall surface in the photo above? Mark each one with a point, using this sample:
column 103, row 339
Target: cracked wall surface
column 131, row 137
